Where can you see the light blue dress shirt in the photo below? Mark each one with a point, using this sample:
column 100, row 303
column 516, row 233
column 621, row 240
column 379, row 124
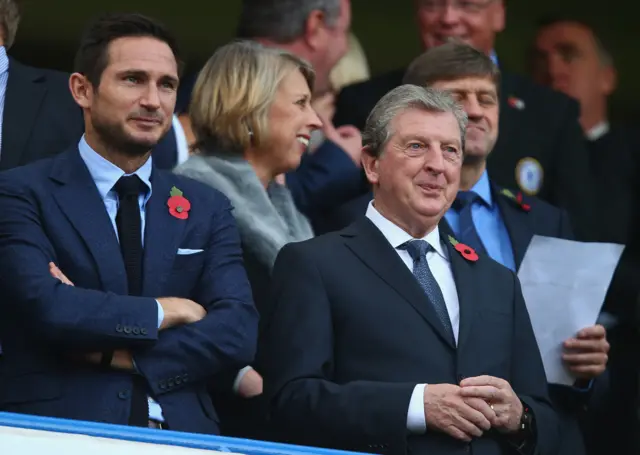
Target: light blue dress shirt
column 4, row 77
column 105, row 175
column 488, row 221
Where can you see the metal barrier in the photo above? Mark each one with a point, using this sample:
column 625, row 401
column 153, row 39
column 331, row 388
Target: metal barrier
column 60, row 436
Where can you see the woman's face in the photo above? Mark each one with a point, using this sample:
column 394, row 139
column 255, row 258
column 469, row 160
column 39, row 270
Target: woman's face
column 291, row 121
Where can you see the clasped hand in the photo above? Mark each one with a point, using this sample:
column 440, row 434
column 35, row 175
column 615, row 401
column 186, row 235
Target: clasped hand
column 476, row 405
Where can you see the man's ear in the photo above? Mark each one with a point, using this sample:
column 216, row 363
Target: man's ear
column 370, row 164
column 609, row 80
column 314, row 29
column 81, row 90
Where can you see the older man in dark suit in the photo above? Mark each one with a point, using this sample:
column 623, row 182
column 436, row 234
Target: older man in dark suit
column 361, row 353
column 541, row 148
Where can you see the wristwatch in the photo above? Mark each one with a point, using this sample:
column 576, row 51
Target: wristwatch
column 524, row 440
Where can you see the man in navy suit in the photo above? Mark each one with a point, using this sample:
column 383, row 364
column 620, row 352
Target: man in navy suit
column 123, row 290
column 360, row 353
column 500, row 222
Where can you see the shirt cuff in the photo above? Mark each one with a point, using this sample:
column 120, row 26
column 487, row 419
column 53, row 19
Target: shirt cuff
column 239, row 376
column 160, row 314
column 582, row 386
column 416, row 419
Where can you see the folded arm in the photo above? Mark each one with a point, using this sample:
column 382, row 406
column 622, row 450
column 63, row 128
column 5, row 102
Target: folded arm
column 84, row 319
column 296, row 359
column 226, row 337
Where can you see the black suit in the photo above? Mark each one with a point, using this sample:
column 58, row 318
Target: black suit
column 351, row 332
column 535, row 122
column 40, row 117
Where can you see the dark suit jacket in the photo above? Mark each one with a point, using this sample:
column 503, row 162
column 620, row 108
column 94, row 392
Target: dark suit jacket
column 351, row 333
column 52, row 211
column 40, row 117
column 612, row 160
column 546, row 129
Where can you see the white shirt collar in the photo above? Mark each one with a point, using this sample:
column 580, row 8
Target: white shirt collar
column 396, row 236
column 598, row 131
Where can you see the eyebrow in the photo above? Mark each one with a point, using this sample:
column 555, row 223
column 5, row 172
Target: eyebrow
column 145, row 74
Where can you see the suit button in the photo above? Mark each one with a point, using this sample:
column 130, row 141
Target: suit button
column 185, row 377
column 143, row 331
column 124, row 394
column 136, row 331
column 162, row 385
column 178, row 380
column 127, row 330
column 119, row 328
column 170, row 383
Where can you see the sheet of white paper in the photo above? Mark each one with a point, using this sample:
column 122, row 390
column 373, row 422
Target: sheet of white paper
column 564, row 284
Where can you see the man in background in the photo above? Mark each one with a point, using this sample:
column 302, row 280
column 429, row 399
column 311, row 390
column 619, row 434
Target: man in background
column 540, row 149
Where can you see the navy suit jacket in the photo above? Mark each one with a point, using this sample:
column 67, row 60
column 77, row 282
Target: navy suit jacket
column 351, row 332
column 52, row 211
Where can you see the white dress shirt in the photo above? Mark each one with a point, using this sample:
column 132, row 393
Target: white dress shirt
column 440, row 266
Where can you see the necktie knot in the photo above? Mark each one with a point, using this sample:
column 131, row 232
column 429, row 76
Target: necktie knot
column 467, row 198
column 129, row 186
column 417, row 249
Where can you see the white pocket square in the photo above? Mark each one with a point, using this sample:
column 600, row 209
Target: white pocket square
column 184, row 251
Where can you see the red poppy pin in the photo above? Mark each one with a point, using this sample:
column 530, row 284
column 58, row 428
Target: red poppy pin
column 179, row 205
column 465, row 251
column 517, row 198
column 515, row 103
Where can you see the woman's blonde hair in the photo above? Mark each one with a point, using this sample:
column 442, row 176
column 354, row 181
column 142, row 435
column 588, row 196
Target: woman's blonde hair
column 232, row 95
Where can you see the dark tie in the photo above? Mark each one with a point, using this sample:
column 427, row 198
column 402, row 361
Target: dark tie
column 418, row 249
column 468, row 233
column 129, row 223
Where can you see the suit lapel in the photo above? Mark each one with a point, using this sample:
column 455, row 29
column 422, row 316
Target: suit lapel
column 162, row 237
column 24, row 94
column 79, row 200
column 366, row 241
column 516, row 222
column 464, row 278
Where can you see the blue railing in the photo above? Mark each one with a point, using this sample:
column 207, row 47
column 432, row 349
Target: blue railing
column 173, row 438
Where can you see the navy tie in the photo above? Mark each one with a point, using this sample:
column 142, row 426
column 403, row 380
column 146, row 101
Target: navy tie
column 468, row 233
column 418, row 249
column 129, row 224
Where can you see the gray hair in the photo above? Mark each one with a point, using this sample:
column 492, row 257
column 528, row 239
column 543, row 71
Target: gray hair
column 282, row 21
column 9, row 20
column 377, row 131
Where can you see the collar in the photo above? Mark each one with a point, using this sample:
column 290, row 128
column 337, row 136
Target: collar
column 483, row 189
column 598, row 131
column 4, row 60
column 396, row 236
column 105, row 174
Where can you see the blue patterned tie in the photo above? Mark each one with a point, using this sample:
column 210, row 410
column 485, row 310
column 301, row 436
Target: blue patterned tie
column 418, row 250
column 468, row 233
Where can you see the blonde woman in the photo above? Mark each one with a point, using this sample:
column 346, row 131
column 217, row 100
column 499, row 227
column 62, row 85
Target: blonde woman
column 252, row 121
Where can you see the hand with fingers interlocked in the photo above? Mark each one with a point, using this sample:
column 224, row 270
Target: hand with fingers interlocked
column 499, row 396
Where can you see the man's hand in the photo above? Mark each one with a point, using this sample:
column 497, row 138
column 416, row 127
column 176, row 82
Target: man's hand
column 347, row 137
column 179, row 311
column 447, row 410
column 57, row 273
column 586, row 355
column 501, row 398
column 250, row 385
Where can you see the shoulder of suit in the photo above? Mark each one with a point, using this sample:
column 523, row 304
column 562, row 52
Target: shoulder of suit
column 192, row 188
column 379, row 84
column 534, row 202
column 539, row 96
column 47, row 75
